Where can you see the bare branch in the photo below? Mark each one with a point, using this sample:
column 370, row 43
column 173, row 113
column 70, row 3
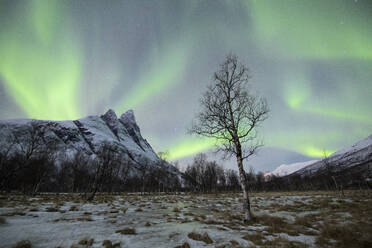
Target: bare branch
column 231, row 114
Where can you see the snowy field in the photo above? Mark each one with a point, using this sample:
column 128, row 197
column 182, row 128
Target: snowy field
column 305, row 219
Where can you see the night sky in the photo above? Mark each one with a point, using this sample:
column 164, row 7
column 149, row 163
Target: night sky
column 312, row 60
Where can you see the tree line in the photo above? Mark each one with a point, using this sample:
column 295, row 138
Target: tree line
column 34, row 164
column 330, row 177
column 207, row 176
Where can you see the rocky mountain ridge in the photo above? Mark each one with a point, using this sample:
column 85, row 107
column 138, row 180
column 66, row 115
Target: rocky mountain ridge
column 84, row 135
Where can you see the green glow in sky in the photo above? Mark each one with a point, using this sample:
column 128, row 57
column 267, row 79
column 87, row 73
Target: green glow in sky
column 40, row 70
column 313, row 29
column 44, row 19
column 163, row 72
column 301, row 143
column 300, row 98
column 315, row 151
column 189, row 147
column 311, row 59
column 296, row 91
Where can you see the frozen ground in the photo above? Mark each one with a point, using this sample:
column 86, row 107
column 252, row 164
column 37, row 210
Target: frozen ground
column 306, row 219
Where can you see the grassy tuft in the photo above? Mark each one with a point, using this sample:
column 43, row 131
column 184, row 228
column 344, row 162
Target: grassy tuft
column 51, row 209
column 109, row 244
column 127, row 231
column 184, row 245
column 2, row 220
column 198, row 237
column 86, row 242
column 347, row 235
column 256, row 238
column 23, row 244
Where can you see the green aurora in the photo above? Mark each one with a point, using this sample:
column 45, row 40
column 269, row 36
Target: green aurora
column 311, row 59
column 39, row 71
column 162, row 74
column 317, row 29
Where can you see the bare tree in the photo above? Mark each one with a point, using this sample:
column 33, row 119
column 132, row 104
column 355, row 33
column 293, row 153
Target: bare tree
column 191, row 177
column 7, row 169
column 33, row 142
column 232, row 179
column 221, row 177
column 124, row 172
column 330, row 173
column 106, row 167
column 230, row 114
column 144, row 171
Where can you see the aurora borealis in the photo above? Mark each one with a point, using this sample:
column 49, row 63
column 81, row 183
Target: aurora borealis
column 312, row 60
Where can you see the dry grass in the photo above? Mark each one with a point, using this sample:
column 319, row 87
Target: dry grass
column 17, row 212
column 347, row 235
column 275, row 224
column 73, row 208
column 51, row 209
column 260, row 240
column 2, row 220
column 184, row 245
column 127, row 231
column 255, row 238
column 86, row 242
column 84, row 218
column 212, row 222
column 234, row 243
column 284, row 243
column 331, row 220
column 198, row 237
column 109, row 244
column 306, row 220
column 23, row 244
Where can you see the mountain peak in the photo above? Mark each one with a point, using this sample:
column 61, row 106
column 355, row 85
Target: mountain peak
column 128, row 116
column 111, row 120
column 110, row 114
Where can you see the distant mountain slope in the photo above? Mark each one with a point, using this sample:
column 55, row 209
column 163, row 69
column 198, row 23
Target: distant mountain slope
column 348, row 168
column 358, row 154
column 353, row 161
column 286, row 169
column 85, row 135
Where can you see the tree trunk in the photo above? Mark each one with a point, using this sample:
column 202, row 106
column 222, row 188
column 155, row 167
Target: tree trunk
column 36, row 188
column 92, row 195
column 334, row 180
column 244, row 185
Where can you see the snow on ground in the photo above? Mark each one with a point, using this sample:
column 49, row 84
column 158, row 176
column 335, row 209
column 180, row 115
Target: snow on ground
column 160, row 220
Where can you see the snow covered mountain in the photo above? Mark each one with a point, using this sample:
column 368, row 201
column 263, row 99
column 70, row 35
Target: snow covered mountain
column 358, row 154
column 286, row 169
column 353, row 159
column 85, row 135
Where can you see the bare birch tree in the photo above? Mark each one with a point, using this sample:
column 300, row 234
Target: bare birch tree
column 230, row 114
